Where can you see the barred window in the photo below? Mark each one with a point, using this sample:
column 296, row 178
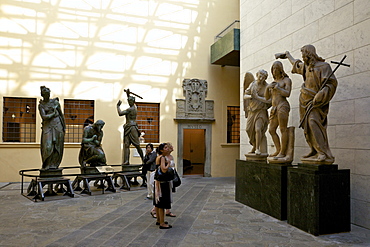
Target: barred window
column 233, row 124
column 77, row 114
column 19, row 119
column 148, row 121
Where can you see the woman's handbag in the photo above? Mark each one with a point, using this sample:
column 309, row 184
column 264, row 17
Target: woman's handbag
column 164, row 176
column 176, row 181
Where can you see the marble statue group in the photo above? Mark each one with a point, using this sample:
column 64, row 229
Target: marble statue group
column 318, row 88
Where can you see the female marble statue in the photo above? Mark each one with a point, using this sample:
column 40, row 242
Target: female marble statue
column 53, row 129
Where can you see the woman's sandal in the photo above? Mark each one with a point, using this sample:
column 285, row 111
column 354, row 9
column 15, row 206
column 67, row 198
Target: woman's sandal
column 165, row 227
column 157, row 223
column 154, row 215
column 171, row 215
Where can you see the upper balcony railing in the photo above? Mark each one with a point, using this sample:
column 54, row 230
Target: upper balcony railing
column 226, row 48
column 233, row 25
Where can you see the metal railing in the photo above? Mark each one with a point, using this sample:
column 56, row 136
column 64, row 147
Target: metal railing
column 234, row 24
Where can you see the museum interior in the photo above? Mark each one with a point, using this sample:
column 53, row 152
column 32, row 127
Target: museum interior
column 191, row 67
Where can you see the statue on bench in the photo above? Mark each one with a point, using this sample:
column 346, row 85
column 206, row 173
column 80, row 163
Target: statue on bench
column 91, row 152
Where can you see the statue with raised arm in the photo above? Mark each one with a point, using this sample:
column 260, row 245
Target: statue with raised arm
column 131, row 130
column 91, row 152
column 255, row 106
column 53, row 130
column 278, row 91
column 317, row 90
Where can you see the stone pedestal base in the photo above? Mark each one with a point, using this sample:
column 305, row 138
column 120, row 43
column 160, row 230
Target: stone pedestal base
column 254, row 157
column 89, row 170
column 263, row 187
column 319, row 198
column 52, row 173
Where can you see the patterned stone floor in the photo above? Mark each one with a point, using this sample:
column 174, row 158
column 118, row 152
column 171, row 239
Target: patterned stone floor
column 207, row 215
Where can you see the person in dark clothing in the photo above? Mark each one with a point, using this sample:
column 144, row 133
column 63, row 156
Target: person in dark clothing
column 148, row 169
column 162, row 189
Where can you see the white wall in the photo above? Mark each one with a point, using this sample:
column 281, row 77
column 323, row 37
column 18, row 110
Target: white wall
column 336, row 28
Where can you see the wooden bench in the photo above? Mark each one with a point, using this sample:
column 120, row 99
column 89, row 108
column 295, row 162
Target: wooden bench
column 36, row 186
column 86, row 178
column 90, row 173
column 128, row 172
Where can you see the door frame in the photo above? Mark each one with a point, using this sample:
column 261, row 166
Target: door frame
column 208, row 142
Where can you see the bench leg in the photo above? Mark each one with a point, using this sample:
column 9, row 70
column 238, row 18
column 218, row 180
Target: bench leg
column 86, row 189
column 110, row 184
column 76, row 184
column 69, row 191
column 126, row 185
column 31, row 190
column 40, row 195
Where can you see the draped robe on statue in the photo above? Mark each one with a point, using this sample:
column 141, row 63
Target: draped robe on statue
column 256, row 110
column 315, row 123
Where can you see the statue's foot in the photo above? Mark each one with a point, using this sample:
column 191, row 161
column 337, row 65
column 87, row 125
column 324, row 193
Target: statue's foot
column 258, row 152
column 310, row 155
column 274, row 154
column 280, row 155
column 318, row 159
column 321, row 157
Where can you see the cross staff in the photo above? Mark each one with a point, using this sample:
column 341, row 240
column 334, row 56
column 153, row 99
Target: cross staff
column 310, row 106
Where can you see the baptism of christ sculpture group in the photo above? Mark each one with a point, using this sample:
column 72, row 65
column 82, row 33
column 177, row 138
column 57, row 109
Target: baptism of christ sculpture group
column 318, row 88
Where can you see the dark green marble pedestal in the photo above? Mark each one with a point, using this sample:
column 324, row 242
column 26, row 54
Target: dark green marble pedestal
column 319, row 198
column 263, row 187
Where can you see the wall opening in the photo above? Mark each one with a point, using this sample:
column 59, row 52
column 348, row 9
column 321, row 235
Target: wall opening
column 194, row 152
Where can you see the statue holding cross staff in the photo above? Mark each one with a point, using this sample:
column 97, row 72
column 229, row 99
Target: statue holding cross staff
column 317, row 90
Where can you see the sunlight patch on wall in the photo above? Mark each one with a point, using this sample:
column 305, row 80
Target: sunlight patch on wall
column 102, row 91
column 83, row 45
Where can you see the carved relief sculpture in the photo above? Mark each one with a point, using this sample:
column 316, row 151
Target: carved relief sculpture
column 195, row 91
column 195, row 105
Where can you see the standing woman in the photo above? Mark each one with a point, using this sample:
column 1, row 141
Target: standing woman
column 53, row 129
column 162, row 189
column 172, row 164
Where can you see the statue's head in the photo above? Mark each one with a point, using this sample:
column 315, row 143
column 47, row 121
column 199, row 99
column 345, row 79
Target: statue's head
column 261, row 75
column 99, row 124
column 131, row 100
column 277, row 70
column 45, row 91
column 309, row 54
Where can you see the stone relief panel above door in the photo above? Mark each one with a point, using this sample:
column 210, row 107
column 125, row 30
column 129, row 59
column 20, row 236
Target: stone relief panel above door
column 195, row 105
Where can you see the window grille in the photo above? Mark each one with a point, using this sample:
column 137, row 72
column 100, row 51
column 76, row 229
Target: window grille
column 19, row 119
column 233, row 124
column 77, row 114
column 148, row 121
